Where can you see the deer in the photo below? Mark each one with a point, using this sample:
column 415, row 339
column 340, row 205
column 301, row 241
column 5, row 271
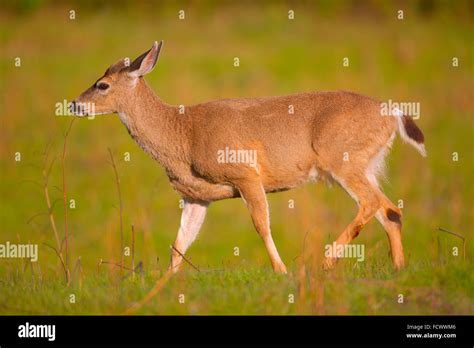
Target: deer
column 292, row 148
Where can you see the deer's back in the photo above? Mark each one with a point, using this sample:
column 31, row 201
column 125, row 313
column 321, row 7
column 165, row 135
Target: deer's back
column 293, row 132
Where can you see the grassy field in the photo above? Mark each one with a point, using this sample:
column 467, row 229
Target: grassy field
column 403, row 60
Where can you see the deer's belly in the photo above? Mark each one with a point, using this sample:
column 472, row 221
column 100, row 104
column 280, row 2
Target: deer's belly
column 283, row 181
column 198, row 189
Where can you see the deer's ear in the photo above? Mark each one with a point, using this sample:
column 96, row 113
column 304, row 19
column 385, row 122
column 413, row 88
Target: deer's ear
column 146, row 62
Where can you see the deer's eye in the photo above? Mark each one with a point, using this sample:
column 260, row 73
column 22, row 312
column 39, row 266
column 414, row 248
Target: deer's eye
column 102, row 86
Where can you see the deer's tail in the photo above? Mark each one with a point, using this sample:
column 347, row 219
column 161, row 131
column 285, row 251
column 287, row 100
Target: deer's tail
column 411, row 134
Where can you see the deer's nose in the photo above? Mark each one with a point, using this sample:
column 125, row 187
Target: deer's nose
column 74, row 107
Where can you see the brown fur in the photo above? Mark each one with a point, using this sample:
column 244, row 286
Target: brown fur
column 324, row 126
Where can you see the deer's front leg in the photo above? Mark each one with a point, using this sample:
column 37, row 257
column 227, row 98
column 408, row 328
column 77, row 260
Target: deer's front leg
column 254, row 196
column 192, row 218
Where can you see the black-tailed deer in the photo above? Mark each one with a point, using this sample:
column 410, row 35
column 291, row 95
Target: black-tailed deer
column 248, row 147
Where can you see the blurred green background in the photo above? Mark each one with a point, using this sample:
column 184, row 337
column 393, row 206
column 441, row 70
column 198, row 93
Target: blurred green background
column 403, row 60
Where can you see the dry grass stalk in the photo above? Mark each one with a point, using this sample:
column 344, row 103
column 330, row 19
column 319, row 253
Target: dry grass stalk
column 133, row 251
column 460, row 236
column 66, row 225
column 119, row 192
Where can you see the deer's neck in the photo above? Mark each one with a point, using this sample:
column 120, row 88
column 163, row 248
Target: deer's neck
column 157, row 127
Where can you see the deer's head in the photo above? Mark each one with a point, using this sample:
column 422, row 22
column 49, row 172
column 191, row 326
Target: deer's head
column 116, row 86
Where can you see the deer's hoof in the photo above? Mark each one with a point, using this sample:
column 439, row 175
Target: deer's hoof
column 329, row 263
column 280, row 268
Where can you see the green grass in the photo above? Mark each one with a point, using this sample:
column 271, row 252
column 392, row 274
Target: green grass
column 407, row 60
column 427, row 288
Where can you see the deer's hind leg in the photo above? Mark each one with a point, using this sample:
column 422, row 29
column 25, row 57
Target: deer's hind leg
column 368, row 199
column 390, row 217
